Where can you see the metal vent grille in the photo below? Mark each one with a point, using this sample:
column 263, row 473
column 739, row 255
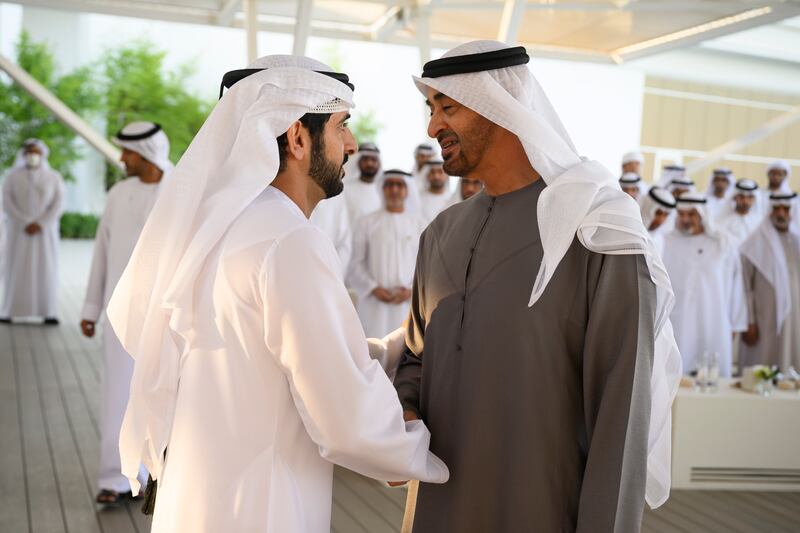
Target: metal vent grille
column 745, row 475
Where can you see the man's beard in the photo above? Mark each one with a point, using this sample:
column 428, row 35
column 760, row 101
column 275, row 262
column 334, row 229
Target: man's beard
column 780, row 223
column 324, row 172
column 473, row 142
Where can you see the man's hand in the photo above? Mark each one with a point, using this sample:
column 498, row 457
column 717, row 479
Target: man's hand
column 33, row 228
column 401, row 295
column 750, row 337
column 408, row 416
column 87, row 327
column 384, row 295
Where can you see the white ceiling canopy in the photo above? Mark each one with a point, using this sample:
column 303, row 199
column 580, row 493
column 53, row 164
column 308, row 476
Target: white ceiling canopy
column 594, row 30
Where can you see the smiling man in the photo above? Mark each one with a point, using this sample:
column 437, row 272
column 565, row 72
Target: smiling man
column 233, row 293
column 537, row 399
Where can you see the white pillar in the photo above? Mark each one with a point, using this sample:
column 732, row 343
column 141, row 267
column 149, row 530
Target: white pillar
column 251, row 29
column 302, row 27
column 510, row 20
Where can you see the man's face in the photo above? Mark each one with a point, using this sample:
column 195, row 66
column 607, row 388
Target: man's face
column 422, row 157
column 659, row 218
column 437, row 178
column 395, row 192
column 776, row 177
column 369, row 165
column 781, row 217
column 744, row 202
column 329, row 152
column 690, row 222
column 463, row 134
column 33, row 156
column 470, row 188
column 133, row 162
column 720, row 185
column 633, row 166
column 632, row 191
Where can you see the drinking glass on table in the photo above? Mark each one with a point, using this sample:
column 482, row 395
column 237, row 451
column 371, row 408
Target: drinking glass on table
column 701, row 378
column 712, row 371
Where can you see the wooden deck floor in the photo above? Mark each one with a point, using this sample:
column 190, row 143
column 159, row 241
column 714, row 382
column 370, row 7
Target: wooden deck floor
column 50, row 382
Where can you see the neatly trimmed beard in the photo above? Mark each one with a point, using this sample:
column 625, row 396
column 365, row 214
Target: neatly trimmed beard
column 325, row 173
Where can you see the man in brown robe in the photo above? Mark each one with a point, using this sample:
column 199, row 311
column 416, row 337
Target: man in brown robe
column 539, row 407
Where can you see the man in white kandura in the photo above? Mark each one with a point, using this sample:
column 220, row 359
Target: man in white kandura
column 231, row 292
column 741, row 216
column 361, row 193
column 384, row 254
column 422, row 153
column 771, row 266
column 778, row 173
column 720, row 192
column 435, row 198
column 33, row 195
column 632, row 162
column 658, row 208
column 145, row 154
column 632, row 185
column 706, row 275
column 467, row 188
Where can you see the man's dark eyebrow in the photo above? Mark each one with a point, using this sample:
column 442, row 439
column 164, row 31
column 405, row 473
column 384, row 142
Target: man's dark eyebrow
column 437, row 96
column 345, row 119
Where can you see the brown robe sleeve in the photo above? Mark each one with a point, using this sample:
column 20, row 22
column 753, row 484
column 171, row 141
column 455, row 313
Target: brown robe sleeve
column 617, row 365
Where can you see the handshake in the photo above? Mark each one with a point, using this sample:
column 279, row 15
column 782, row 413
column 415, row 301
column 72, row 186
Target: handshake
column 388, row 351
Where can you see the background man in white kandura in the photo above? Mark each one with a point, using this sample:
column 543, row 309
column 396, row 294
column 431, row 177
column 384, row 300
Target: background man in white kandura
column 145, row 153
column 33, row 195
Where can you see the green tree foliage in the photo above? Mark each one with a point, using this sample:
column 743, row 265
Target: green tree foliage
column 137, row 86
column 22, row 117
column 365, row 126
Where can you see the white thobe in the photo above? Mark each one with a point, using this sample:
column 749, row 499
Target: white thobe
column 433, row 204
column 362, row 198
column 384, row 255
column 738, row 227
column 277, row 385
column 332, row 218
column 127, row 206
column 710, row 303
column 718, row 207
column 31, row 271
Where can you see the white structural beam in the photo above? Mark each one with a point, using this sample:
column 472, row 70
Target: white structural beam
column 302, row 26
column 510, row 20
column 710, row 30
column 60, row 110
column 251, row 29
column 391, row 20
column 768, row 128
column 227, row 11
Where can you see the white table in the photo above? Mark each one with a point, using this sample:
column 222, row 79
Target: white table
column 734, row 439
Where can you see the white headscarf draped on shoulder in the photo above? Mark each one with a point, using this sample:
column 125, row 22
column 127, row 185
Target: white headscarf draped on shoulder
column 233, row 158
column 581, row 198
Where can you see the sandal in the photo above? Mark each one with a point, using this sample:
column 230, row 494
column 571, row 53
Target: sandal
column 112, row 497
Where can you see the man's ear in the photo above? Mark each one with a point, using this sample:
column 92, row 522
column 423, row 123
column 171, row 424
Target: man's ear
column 299, row 140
